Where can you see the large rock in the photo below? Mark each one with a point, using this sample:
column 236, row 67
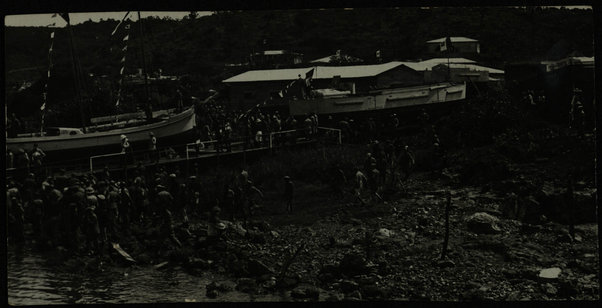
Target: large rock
column 355, row 295
column 198, row 263
column 348, row 286
column 246, row 285
column 373, row 291
column 353, row 264
column 385, row 233
column 309, row 293
column 256, row 237
column 287, row 283
column 257, row 268
column 336, row 297
column 298, row 293
column 483, row 223
column 549, row 273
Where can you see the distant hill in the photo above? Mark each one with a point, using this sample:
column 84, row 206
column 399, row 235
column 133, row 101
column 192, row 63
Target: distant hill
column 200, row 47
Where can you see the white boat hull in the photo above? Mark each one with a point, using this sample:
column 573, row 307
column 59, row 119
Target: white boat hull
column 174, row 125
column 383, row 100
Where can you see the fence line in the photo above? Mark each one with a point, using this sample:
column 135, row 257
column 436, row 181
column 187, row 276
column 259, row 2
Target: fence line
column 338, row 131
column 105, row 155
column 199, row 147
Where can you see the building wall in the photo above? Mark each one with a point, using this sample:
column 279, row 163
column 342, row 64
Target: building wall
column 400, row 76
column 246, row 94
column 243, row 95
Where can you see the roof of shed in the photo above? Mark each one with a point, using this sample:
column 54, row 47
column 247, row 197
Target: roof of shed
column 454, row 39
column 269, row 75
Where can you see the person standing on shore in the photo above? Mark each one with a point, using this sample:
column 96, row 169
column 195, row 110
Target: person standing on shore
column 125, row 149
column 288, row 193
column 152, row 147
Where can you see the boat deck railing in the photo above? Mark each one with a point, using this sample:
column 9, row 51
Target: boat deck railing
column 188, row 151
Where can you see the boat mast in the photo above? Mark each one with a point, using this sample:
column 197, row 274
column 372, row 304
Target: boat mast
column 148, row 107
column 75, row 73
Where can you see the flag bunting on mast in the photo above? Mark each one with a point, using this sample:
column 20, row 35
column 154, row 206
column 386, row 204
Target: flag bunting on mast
column 125, row 41
column 50, row 65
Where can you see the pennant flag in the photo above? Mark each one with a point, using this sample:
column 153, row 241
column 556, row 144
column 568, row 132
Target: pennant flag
column 309, row 74
column 125, row 48
column 48, row 73
column 446, row 45
column 44, row 104
column 123, row 59
column 65, row 16
column 122, row 69
column 119, row 24
column 52, row 34
column 117, row 103
column 127, row 37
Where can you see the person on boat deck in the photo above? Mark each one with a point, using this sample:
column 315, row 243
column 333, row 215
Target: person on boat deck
column 125, row 144
column 13, row 126
column 152, row 147
column 180, row 100
column 288, row 193
column 126, row 149
column 37, row 155
column 10, row 159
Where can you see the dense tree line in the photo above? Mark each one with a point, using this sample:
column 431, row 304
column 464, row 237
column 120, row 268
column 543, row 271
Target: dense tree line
column 198, row 47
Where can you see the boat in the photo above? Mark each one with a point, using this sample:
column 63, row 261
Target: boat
column 103, row 135
column 333, row 102
column 66, row 139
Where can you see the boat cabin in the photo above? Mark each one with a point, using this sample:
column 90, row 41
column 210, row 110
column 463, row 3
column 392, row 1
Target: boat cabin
column 62, row 131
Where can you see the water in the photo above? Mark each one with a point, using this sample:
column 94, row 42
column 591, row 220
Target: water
column 33, row 281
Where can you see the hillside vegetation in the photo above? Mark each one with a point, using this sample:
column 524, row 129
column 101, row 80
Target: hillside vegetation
column 199, row 47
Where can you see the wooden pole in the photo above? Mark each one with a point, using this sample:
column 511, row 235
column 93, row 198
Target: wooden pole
column 148, row 108
column 446, row 238
column 571, row 203
column 76, row 77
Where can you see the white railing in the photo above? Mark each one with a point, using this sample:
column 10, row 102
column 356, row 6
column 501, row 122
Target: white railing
column 211, row 145
column 198, row 147
column 281, row 133
column 99, row 156
column 335, row 130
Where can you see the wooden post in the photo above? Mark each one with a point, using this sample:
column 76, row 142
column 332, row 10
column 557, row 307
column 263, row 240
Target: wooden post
column 446, row 238
column 571, row 203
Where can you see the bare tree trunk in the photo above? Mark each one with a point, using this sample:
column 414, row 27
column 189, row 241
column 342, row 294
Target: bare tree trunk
column 446, row 238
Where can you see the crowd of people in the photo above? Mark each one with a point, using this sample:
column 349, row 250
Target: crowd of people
column 253, row 127
column 388, row 164
column 27, row 160
column 86, row 213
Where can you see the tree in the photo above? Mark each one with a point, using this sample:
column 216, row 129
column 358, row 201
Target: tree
column 193, row 15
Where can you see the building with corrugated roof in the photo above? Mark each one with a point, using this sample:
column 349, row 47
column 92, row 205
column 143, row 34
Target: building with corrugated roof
column 257, row 86
column 461, row 45
column 337, row 59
